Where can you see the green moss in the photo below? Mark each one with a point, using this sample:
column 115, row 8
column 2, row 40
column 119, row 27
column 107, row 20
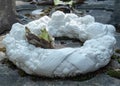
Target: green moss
column 114, row 73
column 114, row 56
column 71, row 78
column 117, row 51
column 82, row 77
column 118, row 60
column 8, row 63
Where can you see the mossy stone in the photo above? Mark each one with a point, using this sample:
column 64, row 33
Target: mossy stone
column 117, row 51
column 114, row 73
column 114, row 57
column 22, row 73
column 118, row 60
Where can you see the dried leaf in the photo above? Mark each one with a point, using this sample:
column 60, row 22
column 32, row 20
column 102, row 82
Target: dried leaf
column 3, row 49
column 43, row 41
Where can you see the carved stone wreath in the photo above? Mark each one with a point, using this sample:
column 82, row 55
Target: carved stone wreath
column 95, row 53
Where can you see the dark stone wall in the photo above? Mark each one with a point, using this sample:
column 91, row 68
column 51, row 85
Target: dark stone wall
column 7, row 15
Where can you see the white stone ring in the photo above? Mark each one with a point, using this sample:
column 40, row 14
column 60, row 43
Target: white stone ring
column 95, row 53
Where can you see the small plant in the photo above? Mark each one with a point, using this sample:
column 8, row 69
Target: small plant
column 45, row 35
column 116, row 57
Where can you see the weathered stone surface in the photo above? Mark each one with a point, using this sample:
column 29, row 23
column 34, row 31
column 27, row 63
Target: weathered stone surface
column 7, row 14
column 9, row 77
column 102, row 10
column 117, row 36
column 117, row 12
column 102, row 16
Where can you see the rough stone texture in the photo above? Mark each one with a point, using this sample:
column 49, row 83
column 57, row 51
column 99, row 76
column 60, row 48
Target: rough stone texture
column 117, row 12
column 10, row 77
column 117, row 36
column 102, row 10
column 102, row 16
column 7, row 14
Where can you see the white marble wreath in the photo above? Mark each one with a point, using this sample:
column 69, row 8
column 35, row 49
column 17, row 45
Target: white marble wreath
column 95, row 53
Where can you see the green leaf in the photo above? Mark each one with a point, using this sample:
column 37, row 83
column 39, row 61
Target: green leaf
column 45, row 35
